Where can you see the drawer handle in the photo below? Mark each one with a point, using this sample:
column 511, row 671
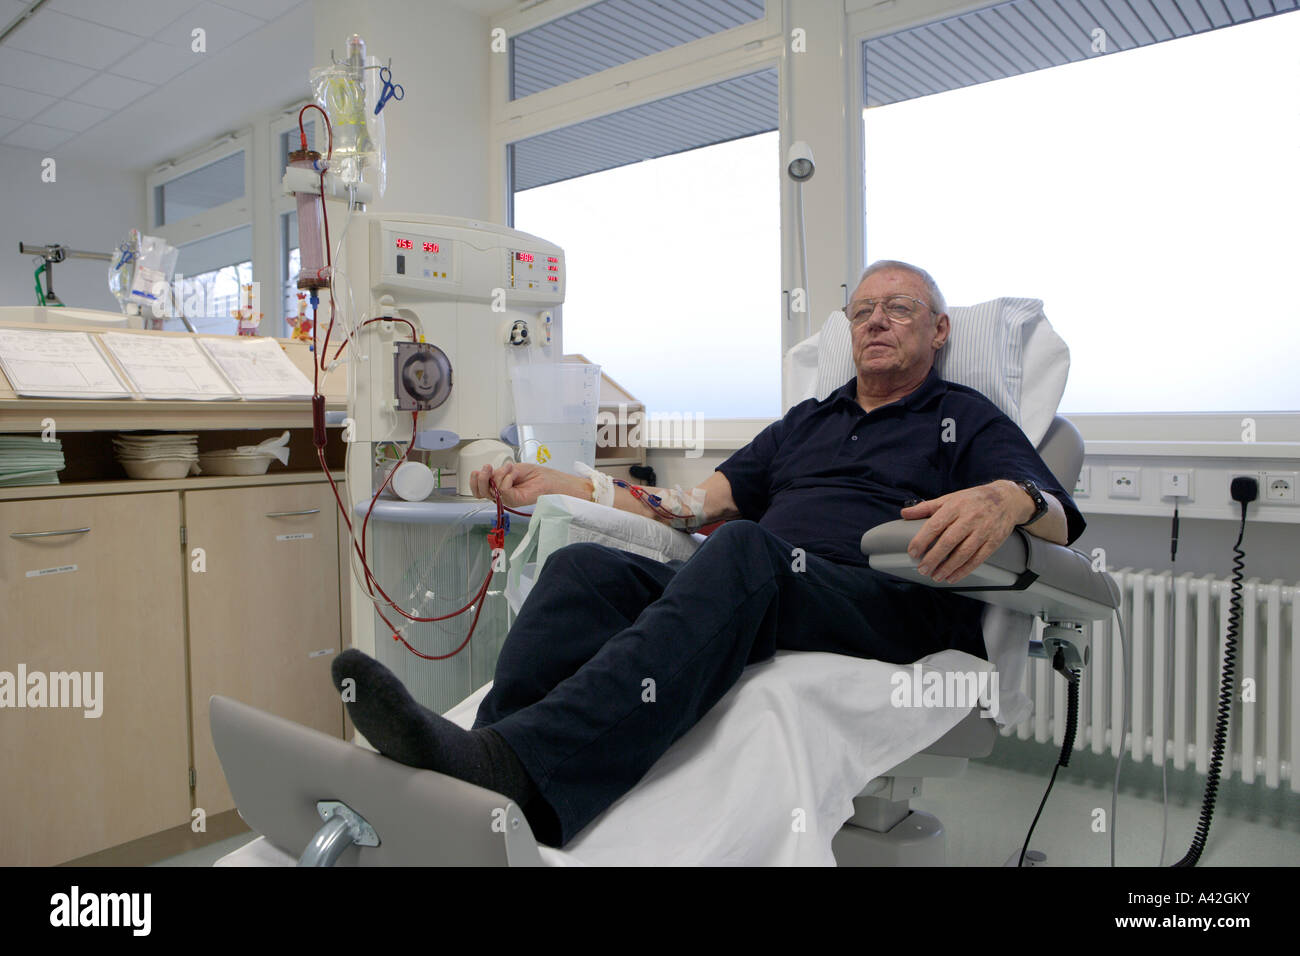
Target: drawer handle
column 45, row 534
column 290, row 514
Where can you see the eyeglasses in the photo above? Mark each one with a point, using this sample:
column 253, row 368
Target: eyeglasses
column 898, row 308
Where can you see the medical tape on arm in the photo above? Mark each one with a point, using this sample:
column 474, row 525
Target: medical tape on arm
column 687, row 508
column 602, row 486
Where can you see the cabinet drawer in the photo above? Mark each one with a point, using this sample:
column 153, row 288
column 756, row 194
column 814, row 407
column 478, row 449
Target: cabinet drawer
column 91, row 586
column 263, row 613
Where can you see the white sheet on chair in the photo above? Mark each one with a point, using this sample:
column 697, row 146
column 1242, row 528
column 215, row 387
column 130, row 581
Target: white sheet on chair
column 805, row 731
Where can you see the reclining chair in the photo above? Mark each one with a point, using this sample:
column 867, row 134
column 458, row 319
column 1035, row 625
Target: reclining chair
column 287, row 779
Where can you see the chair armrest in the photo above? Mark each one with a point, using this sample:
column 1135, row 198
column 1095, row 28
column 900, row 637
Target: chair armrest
column 1026, row 574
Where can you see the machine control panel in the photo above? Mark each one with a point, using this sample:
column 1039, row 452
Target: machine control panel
column 409, row 254
column 535, row 270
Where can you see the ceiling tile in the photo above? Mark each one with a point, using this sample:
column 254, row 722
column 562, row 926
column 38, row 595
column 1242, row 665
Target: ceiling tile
column 10, row 9
column 74, row 116
column 109, row 91
column 156, row 62
column 222, row 25
column 39, row 73
column 32, row 136
column 262, row 9
column 51, row 33
column 22, row 104
column 141, row 17
column 6, row 124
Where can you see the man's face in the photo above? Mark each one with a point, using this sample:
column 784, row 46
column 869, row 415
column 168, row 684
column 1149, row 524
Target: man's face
column 882, row 346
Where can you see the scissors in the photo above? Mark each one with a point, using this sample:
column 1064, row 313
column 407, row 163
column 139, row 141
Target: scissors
column 391, row 91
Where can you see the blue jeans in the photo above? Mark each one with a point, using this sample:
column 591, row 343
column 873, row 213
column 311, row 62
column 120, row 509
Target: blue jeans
column 613, row 656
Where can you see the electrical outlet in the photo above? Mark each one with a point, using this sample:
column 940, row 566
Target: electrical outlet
column 1083, row 485
column 1125, row 483
column 1279, row 486
column 1176, row 483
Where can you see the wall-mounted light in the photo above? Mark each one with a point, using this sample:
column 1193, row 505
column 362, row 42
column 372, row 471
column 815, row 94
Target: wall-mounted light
column 799, row 166
column 799, row 163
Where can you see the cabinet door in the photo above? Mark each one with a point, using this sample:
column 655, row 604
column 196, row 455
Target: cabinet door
column 263, row 612
column 103, row 603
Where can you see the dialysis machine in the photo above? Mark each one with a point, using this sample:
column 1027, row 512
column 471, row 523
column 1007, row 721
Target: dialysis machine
column 480, row 300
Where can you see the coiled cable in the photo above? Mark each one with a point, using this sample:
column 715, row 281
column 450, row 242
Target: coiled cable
column 1225, row 702
column 1071, row 676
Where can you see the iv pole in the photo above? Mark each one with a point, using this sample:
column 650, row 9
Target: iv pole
column 51, row 254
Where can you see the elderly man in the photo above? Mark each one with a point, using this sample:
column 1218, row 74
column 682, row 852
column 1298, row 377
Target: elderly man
column 568, row 726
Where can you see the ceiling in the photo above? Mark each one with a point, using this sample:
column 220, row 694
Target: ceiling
column 115, row 82
column 489, row 8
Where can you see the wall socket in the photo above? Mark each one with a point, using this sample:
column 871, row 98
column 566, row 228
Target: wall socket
column 1083, row 486
column 1279, row 486
column 1176, row 483
column 1125, row 483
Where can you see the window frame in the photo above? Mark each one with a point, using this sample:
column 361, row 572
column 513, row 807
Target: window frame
column 260, row 207
column 211, row 222
column 865, row 20
column 721, row 56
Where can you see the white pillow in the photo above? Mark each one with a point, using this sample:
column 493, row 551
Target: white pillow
column 559, row 520
column 1005, row 349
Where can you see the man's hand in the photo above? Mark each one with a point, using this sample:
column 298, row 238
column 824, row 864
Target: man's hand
column 965, row 527
column 523, row 484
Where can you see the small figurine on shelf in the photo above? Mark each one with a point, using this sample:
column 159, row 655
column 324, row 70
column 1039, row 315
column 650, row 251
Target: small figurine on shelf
column 301, row 323
column 248, row 319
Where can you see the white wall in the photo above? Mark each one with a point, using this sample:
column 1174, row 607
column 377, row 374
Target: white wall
column 85, row 208
column 438, row 134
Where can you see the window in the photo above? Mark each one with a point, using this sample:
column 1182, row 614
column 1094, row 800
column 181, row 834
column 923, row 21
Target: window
column 674, row 275
column 205, row 188
column 214, row 271
column 669, row 216
column 1144, row 195
column 290, row 264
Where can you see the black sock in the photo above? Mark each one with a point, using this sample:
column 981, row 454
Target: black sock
column 403, row 730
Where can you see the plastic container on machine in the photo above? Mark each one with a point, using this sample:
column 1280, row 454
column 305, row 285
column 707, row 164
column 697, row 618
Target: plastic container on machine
column 555, row 410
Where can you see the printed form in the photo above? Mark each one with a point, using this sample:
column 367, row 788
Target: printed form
column 57, row 364
column 164, row 367
column 258, row 368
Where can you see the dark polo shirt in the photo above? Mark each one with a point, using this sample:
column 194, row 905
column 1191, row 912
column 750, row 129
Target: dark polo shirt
column 829, row 470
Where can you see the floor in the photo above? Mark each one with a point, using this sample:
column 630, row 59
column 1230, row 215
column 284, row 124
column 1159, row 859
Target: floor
column 987, row 812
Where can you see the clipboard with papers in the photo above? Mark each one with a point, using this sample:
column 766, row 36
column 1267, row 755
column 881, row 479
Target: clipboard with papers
column 62, row 363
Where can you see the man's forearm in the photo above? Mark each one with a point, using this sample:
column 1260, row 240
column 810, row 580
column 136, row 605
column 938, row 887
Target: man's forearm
column 624, row 500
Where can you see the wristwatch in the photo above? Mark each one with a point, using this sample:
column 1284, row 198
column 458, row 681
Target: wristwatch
column 1040, row 503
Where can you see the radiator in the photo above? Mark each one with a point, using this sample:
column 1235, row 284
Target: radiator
column 1176, row 630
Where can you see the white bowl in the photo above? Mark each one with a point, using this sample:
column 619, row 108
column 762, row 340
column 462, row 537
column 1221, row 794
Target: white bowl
column 217, row 463
column 158, row 468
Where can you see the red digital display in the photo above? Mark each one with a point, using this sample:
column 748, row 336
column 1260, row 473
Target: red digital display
column 552, row 268
column 552, row 259
column 430, row 247
column 404, row 244
column 552, row 278
column 524, row 256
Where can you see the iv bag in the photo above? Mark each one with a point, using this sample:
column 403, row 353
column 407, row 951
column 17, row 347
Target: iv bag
column 348, row 95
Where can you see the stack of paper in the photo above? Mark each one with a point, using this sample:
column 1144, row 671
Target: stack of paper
column 29, row 460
